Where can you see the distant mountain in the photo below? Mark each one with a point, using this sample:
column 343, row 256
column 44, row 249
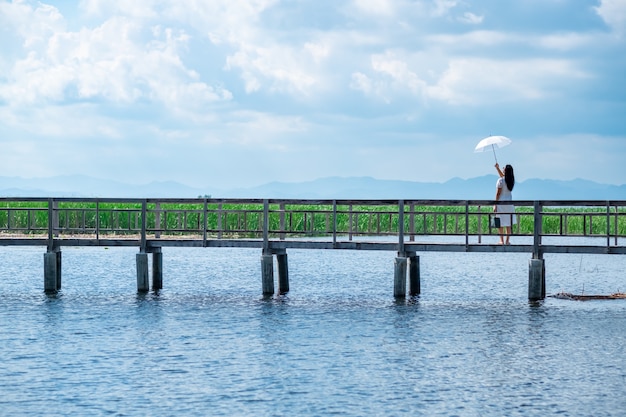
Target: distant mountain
column 479, row 188
column 84, row 186
column 578, row 189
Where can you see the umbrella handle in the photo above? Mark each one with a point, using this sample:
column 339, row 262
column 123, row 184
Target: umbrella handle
column 494, row 153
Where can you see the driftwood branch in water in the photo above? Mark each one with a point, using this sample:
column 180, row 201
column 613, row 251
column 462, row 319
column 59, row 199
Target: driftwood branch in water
column 582, row 297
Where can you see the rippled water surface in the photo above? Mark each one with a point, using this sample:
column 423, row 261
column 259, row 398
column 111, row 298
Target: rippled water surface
column 337, row 344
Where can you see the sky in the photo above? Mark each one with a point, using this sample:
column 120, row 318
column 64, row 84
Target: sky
column 239, row 93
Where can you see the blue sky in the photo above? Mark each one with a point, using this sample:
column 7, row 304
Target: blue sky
column 237, row 93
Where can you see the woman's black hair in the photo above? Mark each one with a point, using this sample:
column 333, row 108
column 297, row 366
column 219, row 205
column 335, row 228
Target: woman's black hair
column 509, row 177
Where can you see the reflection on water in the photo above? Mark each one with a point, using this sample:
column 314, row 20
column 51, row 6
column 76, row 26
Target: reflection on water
column 338, row 343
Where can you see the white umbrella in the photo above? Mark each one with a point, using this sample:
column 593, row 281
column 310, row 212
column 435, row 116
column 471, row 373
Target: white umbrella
column 492, row 142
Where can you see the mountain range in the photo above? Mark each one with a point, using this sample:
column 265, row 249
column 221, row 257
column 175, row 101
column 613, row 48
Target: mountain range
column 479, row 188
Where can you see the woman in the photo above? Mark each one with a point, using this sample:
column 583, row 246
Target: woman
column 506, row 212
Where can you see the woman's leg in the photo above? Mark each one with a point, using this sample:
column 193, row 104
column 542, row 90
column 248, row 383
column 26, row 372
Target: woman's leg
column 501, row 231
column 508, row 234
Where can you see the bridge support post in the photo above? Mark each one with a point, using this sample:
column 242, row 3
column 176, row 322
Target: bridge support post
column 399, row 273
column 414, row 275
column 157, row 269
column 283, row 272
column 536, row 279
column 52, row 271
column 267, row 273
column 143, row 281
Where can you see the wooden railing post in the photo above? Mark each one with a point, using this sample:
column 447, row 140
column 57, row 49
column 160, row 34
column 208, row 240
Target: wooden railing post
column 608, row 225
column 350, row 222
column 334, row 223
column 412, row 222
column 97, row 220
column 401, row 228
column 466, row 225
column 205, row 222
column 55, row 217
column 480, row 224
column 219, row 221
column 282, row 221
column 266, row 224
column 157, row 220
column 51, row 215
column 616, row 223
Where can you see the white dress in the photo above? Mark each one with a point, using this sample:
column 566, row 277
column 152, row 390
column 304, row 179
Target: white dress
column 505, row 211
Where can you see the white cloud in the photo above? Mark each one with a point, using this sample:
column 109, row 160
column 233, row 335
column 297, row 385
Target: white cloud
column 263, row 130
column 318, row 51
column 390, row 77
column 33, row 25
column 473, row 39
column 67, row 123
column 140, row 9
column 567, row 41
column 470, row 41
column 279, row 68
column 471, row 18
column 461, row 81
column 443, row 7
column 614, row 14
column 264, row 59
column 236, row 22
column 375, row 7
column 483, row 81
column 119, row 61
column 362, row 82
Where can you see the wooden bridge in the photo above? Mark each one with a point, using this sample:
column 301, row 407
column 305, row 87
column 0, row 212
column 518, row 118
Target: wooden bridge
column 406, row 227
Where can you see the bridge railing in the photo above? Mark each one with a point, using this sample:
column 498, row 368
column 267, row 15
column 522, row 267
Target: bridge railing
column 284, row 219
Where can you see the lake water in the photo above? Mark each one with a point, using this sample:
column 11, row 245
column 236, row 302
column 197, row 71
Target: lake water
column 337, row 344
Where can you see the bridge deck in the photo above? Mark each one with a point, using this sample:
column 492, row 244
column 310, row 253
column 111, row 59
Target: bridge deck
column 276, row 225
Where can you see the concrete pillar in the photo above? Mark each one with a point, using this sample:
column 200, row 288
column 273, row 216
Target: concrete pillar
column 399, row 273
column 283, row 273
column 414, row 275
column 536, row 279
column 267, row 273
column 59, row 269
column 51, row 265
column 157, row 269
column 143, row 280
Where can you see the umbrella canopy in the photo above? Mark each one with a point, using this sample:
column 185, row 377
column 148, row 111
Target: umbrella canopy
column 491, row 142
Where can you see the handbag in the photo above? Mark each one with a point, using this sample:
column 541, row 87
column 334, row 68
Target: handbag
column 495, row 222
